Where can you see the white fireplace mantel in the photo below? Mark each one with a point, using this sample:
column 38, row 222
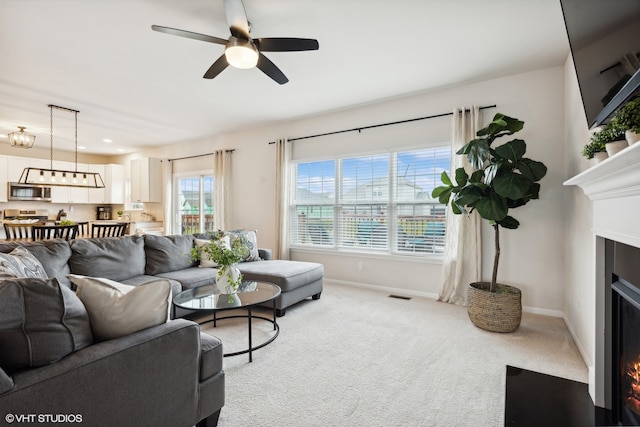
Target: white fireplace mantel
column 613, row 186
column 616, row 176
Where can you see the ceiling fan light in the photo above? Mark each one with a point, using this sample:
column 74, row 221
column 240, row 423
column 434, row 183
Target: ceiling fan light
column 241, row 53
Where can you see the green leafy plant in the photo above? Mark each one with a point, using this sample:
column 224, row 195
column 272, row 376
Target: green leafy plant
column 593, row 147
column 628, row 117
column 66, row 222
column 223, row 255
column 609, row 132
column 502, row 179
column 119, row 212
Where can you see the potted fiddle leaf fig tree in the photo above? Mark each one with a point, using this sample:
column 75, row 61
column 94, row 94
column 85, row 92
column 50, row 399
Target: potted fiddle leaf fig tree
column 502, row 179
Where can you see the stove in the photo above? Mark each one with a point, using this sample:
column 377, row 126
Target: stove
column 26, row 215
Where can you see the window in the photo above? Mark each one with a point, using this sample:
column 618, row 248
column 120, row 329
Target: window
column 372, row 203
column 194, row 203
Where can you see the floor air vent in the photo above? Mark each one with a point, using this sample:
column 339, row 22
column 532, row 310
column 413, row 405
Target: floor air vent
column 399, row 297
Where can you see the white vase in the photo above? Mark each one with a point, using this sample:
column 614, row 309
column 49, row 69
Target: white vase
column 599, row 156
column 632, row 137
column 226, row 277
column 616, row 146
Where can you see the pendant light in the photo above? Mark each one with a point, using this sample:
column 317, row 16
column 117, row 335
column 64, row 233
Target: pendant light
column 21, row 139
column 60, row 177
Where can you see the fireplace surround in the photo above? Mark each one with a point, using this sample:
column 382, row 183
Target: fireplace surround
column 624, row 352
column 613, row 187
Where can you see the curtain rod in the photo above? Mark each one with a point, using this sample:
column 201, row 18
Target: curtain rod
column 198, row 155
column 359, row 129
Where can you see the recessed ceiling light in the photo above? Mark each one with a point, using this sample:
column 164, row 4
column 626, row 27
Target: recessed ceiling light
column 120, row 150
column 3, row 136
column 107, row 140
column 81, row 147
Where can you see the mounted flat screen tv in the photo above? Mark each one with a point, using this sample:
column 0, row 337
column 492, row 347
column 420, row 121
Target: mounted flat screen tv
column 604, row 36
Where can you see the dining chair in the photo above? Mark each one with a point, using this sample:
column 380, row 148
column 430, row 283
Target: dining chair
column 46, row 232
column 18, row 231
column 109, row 230
column 83, row 228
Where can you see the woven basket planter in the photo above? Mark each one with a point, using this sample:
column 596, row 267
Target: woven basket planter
column 499, row 311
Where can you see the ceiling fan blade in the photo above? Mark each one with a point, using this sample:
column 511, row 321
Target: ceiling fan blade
column 270, row 69
column 217, row 67
column 285, row 44
column 189, row 34
column 237, row 19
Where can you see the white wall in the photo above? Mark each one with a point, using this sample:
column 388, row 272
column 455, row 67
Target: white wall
column 532, row 256
column 579, row 283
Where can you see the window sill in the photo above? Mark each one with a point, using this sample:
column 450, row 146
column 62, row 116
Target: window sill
column 419, row 258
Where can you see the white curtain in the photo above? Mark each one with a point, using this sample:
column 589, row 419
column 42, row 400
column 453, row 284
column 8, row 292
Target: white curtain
column 222, row 183
column 462, row 251
column 283, row 158
column 167, row 177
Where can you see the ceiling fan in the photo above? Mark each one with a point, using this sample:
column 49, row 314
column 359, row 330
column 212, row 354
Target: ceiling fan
column 241, row 51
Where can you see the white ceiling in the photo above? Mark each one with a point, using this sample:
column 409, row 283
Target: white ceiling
column 142, row 88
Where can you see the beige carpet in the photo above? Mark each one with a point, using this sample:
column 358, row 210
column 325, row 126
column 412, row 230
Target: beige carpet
column 359, row 358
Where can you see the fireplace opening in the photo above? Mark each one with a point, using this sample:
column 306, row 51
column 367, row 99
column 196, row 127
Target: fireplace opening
column 626, row 352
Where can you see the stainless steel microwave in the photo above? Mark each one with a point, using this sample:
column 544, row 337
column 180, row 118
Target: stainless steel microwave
column 35, row 192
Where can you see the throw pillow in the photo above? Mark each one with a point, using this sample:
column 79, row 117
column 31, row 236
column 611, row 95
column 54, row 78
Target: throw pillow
column 118, row 258
column 205, row 261
column 41, row 321
column 53, row 255
column 167, row 253
column 21, row 263
column 249, row 238
column 116, row 309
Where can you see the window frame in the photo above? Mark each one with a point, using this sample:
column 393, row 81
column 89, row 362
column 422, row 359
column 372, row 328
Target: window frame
column 392, row 205
column 200, row 175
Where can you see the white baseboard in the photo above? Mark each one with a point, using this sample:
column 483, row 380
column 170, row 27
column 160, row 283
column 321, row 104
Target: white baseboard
column 395, row 291
column 543, row 311
column 583, row 353
column 406, row 292
column 587, row 361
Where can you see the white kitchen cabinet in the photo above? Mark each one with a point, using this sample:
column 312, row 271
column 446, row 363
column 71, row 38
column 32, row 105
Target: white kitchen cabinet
column 11, row 168
column 16, row 165
column 146, row 180
column 115, row 183
column 69, row 194
column 98, row 195
column 3, row 179
column 146, row 227
column 113, row 178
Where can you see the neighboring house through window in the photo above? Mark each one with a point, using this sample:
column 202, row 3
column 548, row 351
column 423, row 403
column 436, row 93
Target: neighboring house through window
column 194, row 202
column 379, row 203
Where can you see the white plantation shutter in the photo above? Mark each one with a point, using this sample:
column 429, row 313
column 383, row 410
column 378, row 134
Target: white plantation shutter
column 364, row 196
column 372, row 203
column 312, row 216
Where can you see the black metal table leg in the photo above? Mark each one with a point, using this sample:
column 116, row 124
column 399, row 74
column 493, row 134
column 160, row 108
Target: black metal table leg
column 250, row 344
column 274, row 314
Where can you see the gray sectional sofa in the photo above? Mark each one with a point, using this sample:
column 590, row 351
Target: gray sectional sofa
column 167, row 375
column 134, row 260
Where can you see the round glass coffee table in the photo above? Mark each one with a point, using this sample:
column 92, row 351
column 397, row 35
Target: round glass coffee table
column 250, row 294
